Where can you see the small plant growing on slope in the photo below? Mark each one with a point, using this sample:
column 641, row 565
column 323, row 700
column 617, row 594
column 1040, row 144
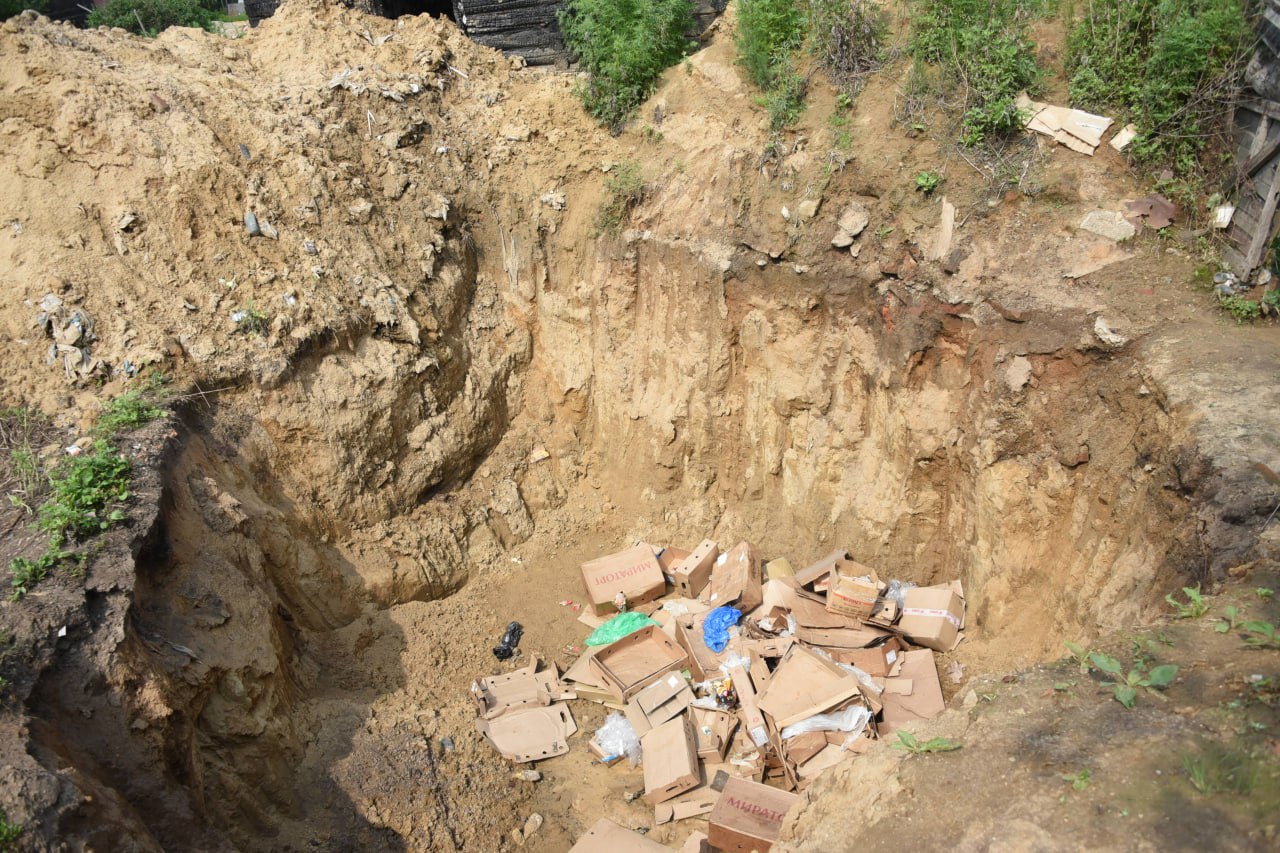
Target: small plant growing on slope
column 1195, row 607
column 1127, row 684
column 9, row 832
column 927, row 182
column 624, row 189
column 909, row 742
column 1261, row 635
column 126, row 412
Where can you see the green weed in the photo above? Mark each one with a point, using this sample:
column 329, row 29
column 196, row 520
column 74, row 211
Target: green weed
column 9, row 832
column 1195, row 607
column 909, row 742
column 768, row 31
column 1263, row 592
column 1079, row 781
column 127, row 412
column 250, row 319
column 1127, row 684
column 784, row 101
column 927, row 182
column 1215, row 769
column 624, row 46
column 1229, row 620
column 1242, row 309
column 624, row 188
column 1261, row 634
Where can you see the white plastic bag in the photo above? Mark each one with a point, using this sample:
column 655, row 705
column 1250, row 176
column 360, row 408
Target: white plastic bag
column 618, row 737
column 852, row 719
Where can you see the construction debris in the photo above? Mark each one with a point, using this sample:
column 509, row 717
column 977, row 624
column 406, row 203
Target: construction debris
column 732, row 688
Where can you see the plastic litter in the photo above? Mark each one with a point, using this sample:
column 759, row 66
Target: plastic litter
column 619, row 627
column 897, row 590
column 715, row 628
column 510, row 641
column 618, row 737
column 852, row 719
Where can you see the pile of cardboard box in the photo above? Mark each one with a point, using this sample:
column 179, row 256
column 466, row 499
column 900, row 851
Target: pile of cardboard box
column 822, row 663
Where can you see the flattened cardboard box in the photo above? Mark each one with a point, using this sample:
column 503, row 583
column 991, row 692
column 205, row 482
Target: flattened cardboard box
column 854, row 589
column 670, row 760
column 498, row 693
column 736, row 578
column 605, row 836
column 748, row 816
column 804, row 684
column 659, row 702
column 933, row 616
column 694, row 572
column 820, row 569
column 628, row 665
column 915, row 693
column 530, row 733
column 634, row 572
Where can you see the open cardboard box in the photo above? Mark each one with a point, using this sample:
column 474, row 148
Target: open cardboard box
column 693, row 573
column 713, row 731
column 736, row 578
column 498, row 693
column 662, row 700
column 668, row 559
column 632, row 663
column 854, row 589
column 634, row 572
column 671, row 764
column 748, row 816
column 703, row 663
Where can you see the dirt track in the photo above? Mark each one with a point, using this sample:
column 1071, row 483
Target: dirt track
column 461, row 393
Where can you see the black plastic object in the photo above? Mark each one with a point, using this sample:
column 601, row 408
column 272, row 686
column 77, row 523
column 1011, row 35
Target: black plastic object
column 510, row 641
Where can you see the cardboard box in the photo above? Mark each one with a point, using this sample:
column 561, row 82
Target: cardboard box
column 915, row 693
column 634, row 572
column 628, row 665
column 736, row 578
column 605, row 836
column 660, row 701
column 530, row 733
column 693, row 573
column 804, row 684
column 933, row 616
column 779, row 568
column 841, row 638
column 748, row 816
column 713, row 731
column 668, row 559
column 670, row 760
column 748, row 710
column 877, row 662
column 854, row 589
column 819, row 570
column 703, row 663
column 605, row 758
column 498, row 693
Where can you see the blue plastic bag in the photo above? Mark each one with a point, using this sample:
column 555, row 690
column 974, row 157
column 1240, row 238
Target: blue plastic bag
column 715, row 628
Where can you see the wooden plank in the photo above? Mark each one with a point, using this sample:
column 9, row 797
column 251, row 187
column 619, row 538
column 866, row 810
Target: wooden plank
column 1258, row 105
column 1262, row 232
column 1255, row 161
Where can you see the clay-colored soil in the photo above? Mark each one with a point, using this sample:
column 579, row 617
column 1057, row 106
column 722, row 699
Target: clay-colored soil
column 461, row 391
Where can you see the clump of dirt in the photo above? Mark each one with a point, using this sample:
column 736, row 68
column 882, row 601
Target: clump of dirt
column 415, row 391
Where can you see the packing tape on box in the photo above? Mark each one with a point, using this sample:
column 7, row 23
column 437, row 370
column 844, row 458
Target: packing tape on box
column 929, row 611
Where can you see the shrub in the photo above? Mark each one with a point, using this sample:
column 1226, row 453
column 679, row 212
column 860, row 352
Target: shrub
column 150, row 17
column 9, row 8
column 1169, row 66
column 847, row 36
column 785, row 99
column 624, row 46
column 768, row 30
column 623, row 191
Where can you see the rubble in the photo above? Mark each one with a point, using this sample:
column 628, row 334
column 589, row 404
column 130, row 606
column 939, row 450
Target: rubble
column 795, row 672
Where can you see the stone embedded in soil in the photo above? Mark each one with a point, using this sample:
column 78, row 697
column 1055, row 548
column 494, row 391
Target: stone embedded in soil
column 1108, row 223
column 852, row 222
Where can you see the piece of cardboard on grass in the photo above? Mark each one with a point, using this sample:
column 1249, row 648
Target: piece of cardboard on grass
column 748, row 816
column 805, row 683
column 703, row 663
column 605, row 836
column 915, row 694
column 736, row 578
column 530, row 733
column 854, row 589
column 496, row 694
column 933, row 616
column 634, row 572
column 671, row 764
column 632, row 663
column 692, row 574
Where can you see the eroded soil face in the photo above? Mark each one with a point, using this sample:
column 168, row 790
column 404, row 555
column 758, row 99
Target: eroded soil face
column 458, row 393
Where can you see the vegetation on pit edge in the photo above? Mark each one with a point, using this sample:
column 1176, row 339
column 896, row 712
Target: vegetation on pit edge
column 9, row 8
column 624, row 46
column 84, row 494
column 151, row 17
column 9, row 832
column 624, row 189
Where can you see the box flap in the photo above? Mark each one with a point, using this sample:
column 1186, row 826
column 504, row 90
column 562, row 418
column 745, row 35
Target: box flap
column 805, row 684
column 532, row 733
column 736, row 578
column 605, row 836
column 923, row 701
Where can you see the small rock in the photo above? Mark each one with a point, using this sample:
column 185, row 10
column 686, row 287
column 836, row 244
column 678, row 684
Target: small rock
column 1018, row 374
column 515, row 133
column 268, row 230
column 529, row 776
column 159, row 104
column 786, row 213
column 361, row 210
column 251, row 224
column 538, row 454
column 554, row 199
column 309, row 247
column 446, row 743
column 1110, row 224
column 1106, row 335
column 532, row 825
column 808, row 208
column 852, row 222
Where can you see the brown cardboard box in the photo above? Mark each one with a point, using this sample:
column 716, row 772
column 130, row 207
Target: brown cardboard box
column 634, row 572
column 877, row 662
column 668, row 559
column 659, row 702
column 915, row 693
column 531, row 733
column 703, row 663
column 713, row 731
column 694, row 571
column 854, row 589
column 670, row 760
column 748, row 711
column 841, row 638
column 748, row 816
column 779, row 568
column 736, row 578
column 804, row 684
column 933, row 616
column 498, row 693
column 605, row 836
column 822, row 568
column 628, row 665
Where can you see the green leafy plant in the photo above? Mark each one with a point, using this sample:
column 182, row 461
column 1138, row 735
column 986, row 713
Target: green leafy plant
column 23, row 431
column 1242, row 309
column 624, row 189
column 624, row 46
column 251, row 320
column 1080, row 654
column 1261, row 634
column 768, row 30
column 1127, row 684
column 9, row 832
column 1216, row 769
column 1079, row 781
column 1263, row 592
column 150, row 17
column 909, row 742
column 1229, row 619
column 784, row 101
column 1195, row 606
column 126, row 412
column 927, row 182
column 1168, row 66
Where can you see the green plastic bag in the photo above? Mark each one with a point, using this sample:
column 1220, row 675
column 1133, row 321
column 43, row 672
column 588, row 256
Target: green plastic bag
column 619, row 627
